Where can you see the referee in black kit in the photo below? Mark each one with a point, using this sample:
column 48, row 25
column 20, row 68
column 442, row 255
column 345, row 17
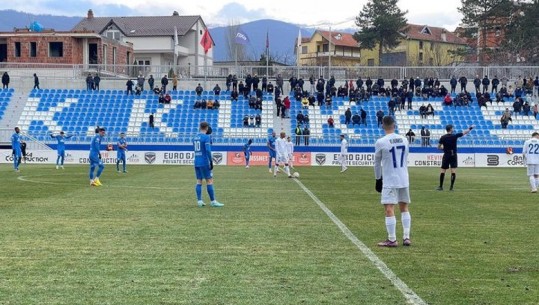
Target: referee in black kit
column 448, row 143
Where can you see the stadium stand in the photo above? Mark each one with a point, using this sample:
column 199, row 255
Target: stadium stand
column 77, row 112
column 5, row 98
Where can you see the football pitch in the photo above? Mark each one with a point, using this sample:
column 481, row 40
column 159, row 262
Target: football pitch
column 141, row 239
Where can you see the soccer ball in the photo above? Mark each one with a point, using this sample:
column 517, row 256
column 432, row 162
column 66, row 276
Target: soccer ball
column 295, row 175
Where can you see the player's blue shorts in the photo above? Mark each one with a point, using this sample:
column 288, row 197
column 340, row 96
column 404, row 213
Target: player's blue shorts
column 273, row 154
column 247, row 155
column 61, row 152
column 17, row 153
column 203, row 172
column 95, row 161
column 121, row 155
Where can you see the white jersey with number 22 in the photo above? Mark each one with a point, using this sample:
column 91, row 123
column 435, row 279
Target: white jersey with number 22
column 391, row 161
column 531, row 151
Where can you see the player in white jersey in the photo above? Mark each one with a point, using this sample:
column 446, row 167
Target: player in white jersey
column 344, row 151
column 282, row 155
column 530, row 151
column 391, row 163
column 290, row 147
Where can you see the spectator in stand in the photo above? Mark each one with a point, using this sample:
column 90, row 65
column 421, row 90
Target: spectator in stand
column 265, row 84
column 151, row 82
column 379, row 117
column 89, row 82
column 129, row 84
column 356, row 119
column 248, row 83
column 241, row 88
column 535, row 110
column 409, row 97
column 300, row 118
column 174, row 82
column 164, row 83
column 410, row 135
column 252, row 101
column 199, row 90
column 246, row 121
column 228, row 82
column 300, row 83
column 417, row 82
column 312, row 84
column 256, row 81
column 235, row 83
column 427, row 137
column 369, row 83
column 298, row 132
column 306, row 135
column 287, row 104
column 535, row 84
column 258, row 120
column 97, row 80
column 453, row 82
column 526, row 109
column 359, row 83
column 391, row 106
column 463, row 83
column 217, row 90
column 423, row 111
column 328, row 100
column 279, row 82
column 157, row 91
column 234, row 95
column 380, row 82
column 394, row 83
column 320, row 84
column 216, row 104
column 423, row 134
column 137, row 90
column 517, row 106
column 270, row 88
column 305, row 102
column 209, row 104
column 348, row 116
column 5, row 81
column 331, row 122
column 506, row 118
column 481, row 101
column 363, row 115
column 495, row 83
column 477, row 84
column 486, row 83
column 140, row 81
column 448, row 101
column 36, row 82
column 430, row 110
column 151, row 121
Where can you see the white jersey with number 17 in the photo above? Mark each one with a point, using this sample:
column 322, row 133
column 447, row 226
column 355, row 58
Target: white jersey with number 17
column 391, row 161
column 531, row 151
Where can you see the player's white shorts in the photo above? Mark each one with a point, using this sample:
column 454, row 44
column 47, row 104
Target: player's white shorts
column 282, row 159
column 395, row 195
column 533, row 169
column 342, row 158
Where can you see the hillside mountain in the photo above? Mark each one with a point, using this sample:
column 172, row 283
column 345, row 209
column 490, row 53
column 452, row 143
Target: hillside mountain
column 10, row 19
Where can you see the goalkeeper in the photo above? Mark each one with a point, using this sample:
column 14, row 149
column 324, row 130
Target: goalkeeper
column 391, row 163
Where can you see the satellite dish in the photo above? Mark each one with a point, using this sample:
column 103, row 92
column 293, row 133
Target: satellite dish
column 35, row 27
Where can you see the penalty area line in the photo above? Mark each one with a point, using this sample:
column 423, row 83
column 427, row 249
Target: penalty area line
column 407, row 292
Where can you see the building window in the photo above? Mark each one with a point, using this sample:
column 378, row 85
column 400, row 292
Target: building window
column 105, row 55
column 56, row 49
column 421, row 45
column 17, row 49
column 325, row 47
column 432, row 46
column 113, row 56
column 425, row 30
column 33, row 49
column 304, row 50
column 370, row 62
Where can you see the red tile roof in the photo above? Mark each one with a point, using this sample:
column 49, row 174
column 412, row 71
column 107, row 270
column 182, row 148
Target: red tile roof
column 340, row 38
column 417, row 32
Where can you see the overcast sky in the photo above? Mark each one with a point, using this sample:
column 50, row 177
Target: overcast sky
column 432, row 12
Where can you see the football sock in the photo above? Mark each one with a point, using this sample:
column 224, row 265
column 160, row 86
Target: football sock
column 406, row 220
column 100, row 170
column 275, row 169
column 58, row 160
column 211, row 193
column 391, row 224
column 453, row 178
column 118, row 165
column 533, row 182
column 442, row 177
column 62, row 160
column 198, row 190
column 287, row 169
column 123, row 165
column 270, row 162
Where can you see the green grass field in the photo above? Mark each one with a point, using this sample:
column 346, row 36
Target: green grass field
column 140, row 239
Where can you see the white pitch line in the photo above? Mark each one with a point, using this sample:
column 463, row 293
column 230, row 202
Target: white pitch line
column 407, row 292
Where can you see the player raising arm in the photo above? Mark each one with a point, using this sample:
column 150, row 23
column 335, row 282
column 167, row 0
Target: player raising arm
column 448, row 143
column 204, row 166
column 60, row 148
column 530, row 151
column 391, row 165
column 282, row 155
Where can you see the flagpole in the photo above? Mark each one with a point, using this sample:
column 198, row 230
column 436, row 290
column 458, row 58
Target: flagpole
column 267, row 54
column 298, row 45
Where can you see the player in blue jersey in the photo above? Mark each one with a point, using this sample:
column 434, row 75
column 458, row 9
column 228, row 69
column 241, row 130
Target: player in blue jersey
column 271, row 148
column 61, row 148
column 122, row 149
column 204, row 165
column 95, row 157
column 247, row 152
column 16, row 146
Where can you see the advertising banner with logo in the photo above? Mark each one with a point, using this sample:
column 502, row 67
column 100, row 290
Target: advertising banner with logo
column 109, row 157
column 262, row 158
column 435, row 160
column 499, row 160
column 352, row 159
